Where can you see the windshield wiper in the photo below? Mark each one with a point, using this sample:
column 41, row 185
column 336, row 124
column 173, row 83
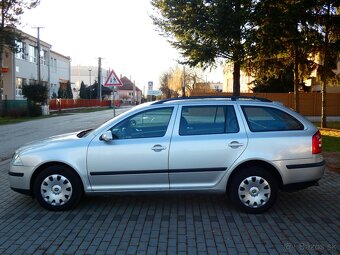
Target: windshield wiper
column 84, row 132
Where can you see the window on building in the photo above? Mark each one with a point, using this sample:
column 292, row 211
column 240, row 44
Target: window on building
column 21, row 50
column 32, row 54
column 43, row 57
column 53, row 65
column 19, row 82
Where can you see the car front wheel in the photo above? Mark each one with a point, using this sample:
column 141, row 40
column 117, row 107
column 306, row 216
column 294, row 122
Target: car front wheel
column 253, row 189
column 57, row 188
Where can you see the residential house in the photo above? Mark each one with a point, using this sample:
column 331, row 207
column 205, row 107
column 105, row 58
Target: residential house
column 127, row 91
column 206, row 87
column 22, row 68
column 314, row 80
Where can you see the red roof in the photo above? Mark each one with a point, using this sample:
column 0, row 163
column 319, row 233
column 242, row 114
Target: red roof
column 127, row 84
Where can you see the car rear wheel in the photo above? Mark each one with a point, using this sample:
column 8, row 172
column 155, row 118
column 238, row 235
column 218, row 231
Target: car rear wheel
column 57, row 188
column 253, row 189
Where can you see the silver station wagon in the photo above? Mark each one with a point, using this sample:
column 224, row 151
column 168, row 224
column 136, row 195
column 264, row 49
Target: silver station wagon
column 248, row 148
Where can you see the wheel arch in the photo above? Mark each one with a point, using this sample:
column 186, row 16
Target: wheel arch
column 259, row 163
column 49, row 164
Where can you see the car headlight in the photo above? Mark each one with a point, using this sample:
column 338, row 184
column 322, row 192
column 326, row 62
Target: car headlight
column 16, row 161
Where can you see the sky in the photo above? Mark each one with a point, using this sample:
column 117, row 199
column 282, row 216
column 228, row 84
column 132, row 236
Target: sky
column 119, row 31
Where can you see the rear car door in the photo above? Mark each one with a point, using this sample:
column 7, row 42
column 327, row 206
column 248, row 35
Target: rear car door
column 206, row 142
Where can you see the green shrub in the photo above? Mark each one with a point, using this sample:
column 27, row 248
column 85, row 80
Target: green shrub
column 34, row 109
column 35, row 93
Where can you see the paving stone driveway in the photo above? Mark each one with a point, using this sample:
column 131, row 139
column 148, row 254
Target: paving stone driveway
column 305, row 222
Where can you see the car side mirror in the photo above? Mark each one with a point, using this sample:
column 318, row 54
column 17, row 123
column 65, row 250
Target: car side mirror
column 107, row 136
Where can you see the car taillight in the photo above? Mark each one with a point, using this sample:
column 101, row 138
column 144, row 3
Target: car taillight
column 317, row 143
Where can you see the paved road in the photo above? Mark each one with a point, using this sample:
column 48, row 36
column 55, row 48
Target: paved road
column 305, row 222
column 14, row 135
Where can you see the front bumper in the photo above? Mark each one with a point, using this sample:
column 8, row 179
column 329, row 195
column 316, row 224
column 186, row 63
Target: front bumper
column 19, row 178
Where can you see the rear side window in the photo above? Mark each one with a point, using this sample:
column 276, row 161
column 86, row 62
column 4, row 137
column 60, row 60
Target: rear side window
column 263, row 119
column 205, row 120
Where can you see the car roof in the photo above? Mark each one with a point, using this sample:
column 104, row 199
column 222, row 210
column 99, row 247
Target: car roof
column 210, row 99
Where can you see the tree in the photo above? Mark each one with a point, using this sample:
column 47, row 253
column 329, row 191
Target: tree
column 283, row 83
column 93, row 90
column 69, row 93
column 294, row 33
column 10, row 14
column 329, row 22
column 286, row 36
column 65, row 91
column 207, row 30
column 172, row 81
column 36, row 95
column 164, row 84
column 82, row 93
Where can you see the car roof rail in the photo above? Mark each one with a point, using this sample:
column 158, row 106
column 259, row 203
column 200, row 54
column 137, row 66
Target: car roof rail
column 232, row 98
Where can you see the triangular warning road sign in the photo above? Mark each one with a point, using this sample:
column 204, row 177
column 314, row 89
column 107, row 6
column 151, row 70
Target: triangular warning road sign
column 113, row 80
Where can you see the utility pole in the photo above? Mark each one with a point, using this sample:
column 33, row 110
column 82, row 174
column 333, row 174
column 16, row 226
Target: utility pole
column 99, row 77
column 183, row 84
column 38, row 58
column 134, row 93
column 90, row 70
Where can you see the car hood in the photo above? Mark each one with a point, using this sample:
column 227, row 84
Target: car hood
column 50, row 141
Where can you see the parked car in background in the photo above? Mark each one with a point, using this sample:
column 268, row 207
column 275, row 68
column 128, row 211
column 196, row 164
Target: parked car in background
column 248, row 148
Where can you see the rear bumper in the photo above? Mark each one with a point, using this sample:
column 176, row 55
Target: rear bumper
column 299, row 186
column 298, row 172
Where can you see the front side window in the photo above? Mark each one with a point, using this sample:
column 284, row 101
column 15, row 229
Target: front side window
column 205, row 120
column 147, row 124
column 263, row 119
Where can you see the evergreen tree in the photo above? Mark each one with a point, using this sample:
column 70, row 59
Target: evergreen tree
column 65, row 91
column 206, row 30
column 68, row 92
column 288, row 35
column 82, row 93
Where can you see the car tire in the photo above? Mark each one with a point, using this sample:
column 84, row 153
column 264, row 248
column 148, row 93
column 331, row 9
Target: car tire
column 253, row 189
column 58, row 188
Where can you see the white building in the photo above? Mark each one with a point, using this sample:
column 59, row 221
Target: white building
column 245, row 80
column 22, row 68
column 88, row 75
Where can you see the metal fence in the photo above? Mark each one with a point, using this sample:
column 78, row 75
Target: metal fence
column 58, row 104
column 13, row 108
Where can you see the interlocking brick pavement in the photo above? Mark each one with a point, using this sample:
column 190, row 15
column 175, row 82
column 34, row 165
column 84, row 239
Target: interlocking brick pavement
column 304, row 222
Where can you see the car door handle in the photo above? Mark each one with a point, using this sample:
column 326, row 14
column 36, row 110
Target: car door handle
column 235, row 144
column 158, row 148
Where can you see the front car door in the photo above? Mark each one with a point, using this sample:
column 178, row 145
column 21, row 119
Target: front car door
column 206, row 142
column 137, row 157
